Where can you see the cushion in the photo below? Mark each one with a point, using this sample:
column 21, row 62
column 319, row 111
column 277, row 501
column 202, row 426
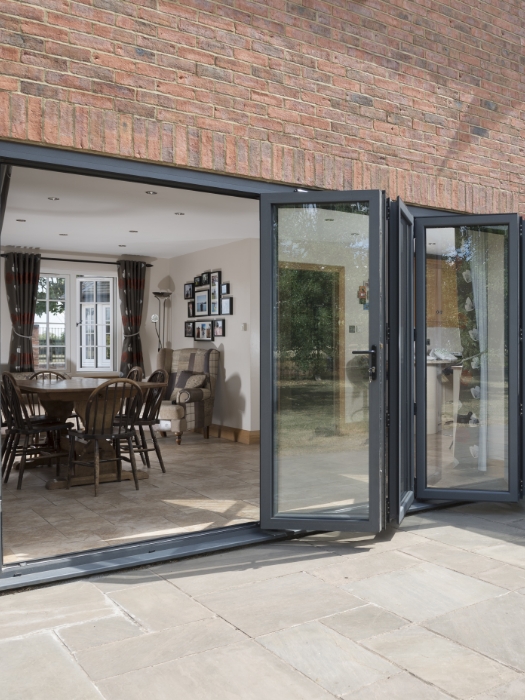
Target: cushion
column 169, row 411
column 186, row 379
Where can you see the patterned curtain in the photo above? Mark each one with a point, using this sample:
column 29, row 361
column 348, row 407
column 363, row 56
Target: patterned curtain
column 131, row 280
column 22, row 272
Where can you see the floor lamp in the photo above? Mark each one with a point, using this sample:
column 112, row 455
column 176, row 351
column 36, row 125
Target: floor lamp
column 161, row 334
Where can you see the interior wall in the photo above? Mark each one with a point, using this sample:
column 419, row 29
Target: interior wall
column 237, row 393
column 157, row 278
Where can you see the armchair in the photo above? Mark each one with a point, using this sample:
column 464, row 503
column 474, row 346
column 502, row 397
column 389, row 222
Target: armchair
column 187, row 407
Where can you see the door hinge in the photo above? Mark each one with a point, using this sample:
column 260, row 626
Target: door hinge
column 388, row 209
column 387, row 420
column 521, row 227
column 387, row 333
column 521, row 487
column 388, row 510
column 521, row 409
column 521, row 335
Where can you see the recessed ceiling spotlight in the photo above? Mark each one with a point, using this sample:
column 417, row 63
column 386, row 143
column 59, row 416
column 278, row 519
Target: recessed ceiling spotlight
column 150, row 192
column 132, row 231
column 179, row 213
column 120, row 245
column 23, row 220
column 63, row 234
column 54, row 199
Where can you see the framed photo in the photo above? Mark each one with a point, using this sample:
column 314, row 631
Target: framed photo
column 226, row 306
column 203, row 330
column 189, row 329
column 225, row 288
column 202, row 302
column 191, row 309
column 197, row 281
column 215, row 293
column 188, row 290
column 219, row 328
column 205, row 279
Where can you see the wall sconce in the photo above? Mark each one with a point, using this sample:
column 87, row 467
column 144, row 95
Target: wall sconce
column 156, row 318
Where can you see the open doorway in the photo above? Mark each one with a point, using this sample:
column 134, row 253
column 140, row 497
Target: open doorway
column 202, row 254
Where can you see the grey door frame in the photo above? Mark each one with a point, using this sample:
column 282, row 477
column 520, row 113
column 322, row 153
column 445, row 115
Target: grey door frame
column 514, row 437
column 400, row 335
column 269, row 519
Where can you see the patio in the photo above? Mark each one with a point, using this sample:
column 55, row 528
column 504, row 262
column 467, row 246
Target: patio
column 434, row 610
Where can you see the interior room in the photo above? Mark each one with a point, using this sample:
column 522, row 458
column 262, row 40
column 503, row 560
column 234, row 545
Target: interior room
column 122, row 261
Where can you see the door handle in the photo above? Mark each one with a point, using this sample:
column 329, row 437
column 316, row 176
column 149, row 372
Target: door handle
column 372, row 360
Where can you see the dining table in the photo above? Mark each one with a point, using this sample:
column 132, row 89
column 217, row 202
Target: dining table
column 60, row 399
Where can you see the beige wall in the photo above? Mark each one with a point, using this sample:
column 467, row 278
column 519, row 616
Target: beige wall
column 237, row 397
column 237, row 400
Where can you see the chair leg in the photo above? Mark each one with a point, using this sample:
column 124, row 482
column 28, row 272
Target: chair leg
column 178, row 438
column 206, row 432
column 137, row 443
column 22, row 462
column 12, row 456
column 144, row 446
column 6, row 450
column 119, row 459
column 71, row 461
column 157, row 449
column 133, row 463
column 97, row 467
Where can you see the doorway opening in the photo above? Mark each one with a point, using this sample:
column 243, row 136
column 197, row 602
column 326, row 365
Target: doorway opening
column 198, row 320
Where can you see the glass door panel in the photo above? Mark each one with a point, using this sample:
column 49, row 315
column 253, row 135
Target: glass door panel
column 322, row 304
column 467, row 353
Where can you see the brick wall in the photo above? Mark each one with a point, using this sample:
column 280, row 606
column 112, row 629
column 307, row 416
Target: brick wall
column 424, row 99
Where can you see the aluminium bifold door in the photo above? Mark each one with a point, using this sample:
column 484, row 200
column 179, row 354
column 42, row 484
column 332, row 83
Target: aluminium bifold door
column 323, row 361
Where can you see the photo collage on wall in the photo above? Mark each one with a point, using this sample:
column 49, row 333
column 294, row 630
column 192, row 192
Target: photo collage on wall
column 207, row 296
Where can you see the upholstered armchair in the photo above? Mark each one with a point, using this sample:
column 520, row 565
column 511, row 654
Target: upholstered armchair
column 190, row 394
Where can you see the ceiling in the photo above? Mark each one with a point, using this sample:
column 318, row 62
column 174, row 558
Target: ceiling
column 99, row 216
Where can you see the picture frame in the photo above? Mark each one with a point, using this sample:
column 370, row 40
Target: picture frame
column 205, row 279
column 202, row 302
column 197, row 281
column 189, row 329
column 226, row 306
column 225, row 288
column 191, row 309
column 219, row 328
column 215, row 293
column 189, row 290
column 203, row 330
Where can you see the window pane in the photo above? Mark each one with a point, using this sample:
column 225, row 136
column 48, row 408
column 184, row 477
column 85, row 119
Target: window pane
column 103, row 291
column 42, row 356
column 42, row 288
column 57, row 335
column 40, row 330
column 467, row 357
column 87, row 291
column 57, row 357
column 57, row 311
column 321, row 425
column 57, row 288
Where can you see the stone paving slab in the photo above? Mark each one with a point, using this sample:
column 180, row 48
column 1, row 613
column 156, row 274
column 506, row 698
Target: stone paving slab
column 430, row 611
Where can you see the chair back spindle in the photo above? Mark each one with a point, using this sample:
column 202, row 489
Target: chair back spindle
column 112, row 408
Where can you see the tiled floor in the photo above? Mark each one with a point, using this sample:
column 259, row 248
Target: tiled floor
column 208, row 484
column 434, row 610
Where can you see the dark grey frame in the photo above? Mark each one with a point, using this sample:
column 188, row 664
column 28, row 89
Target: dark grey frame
column 422, row 491
column 376, row 519
column 401, row 437
column 148, row 551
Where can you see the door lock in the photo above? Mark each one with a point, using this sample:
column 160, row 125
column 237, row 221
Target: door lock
column 372, row 361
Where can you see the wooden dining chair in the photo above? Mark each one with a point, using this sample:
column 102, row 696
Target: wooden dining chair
column 21, row 424
column 149, row 417
column 136, row 374
column 112, row 412
column 33, row 400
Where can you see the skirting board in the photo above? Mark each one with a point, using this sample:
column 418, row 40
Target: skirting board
column 247, row 437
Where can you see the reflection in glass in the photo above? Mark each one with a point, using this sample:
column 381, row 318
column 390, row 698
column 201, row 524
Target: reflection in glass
column 87, row 291
column 467, row 359
column 50, row 318
column 321, row 391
